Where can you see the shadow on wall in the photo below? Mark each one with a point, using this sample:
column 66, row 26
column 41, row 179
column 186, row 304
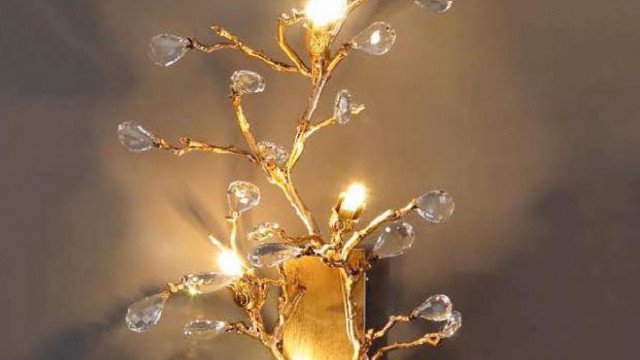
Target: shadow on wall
column 550, row 301
column 79, row 342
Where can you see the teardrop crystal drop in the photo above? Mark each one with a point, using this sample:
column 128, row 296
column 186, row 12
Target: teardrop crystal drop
column 242, row 196
column 145, row 314
column 435, row 308
column 166, row 49
column 377, row 39
column 438, row 6
column 207, row 281
column 343, row 105
column 206, row 328
column 273, row 153
column 436, row 206
column 453, row 324
column 272, row 254
column 263, row 232
column 134, row 137
column 394, row 240
column 247, row 82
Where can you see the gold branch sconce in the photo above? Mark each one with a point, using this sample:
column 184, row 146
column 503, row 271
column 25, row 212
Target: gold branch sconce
column 321, row 279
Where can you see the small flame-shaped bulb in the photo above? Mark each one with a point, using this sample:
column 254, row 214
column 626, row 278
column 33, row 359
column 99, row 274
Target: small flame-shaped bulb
column 352, row 201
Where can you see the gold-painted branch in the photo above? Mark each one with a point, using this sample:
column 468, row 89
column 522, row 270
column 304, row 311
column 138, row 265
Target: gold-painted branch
column 385, row 217
column 319, row 83
column 431, row 339
column 285, row 21
column 313, row 128
column 189, row 145
column 242, row 329
column 282, row 234
column 348, row 285
column 232, row 220
column 339, row 56
column 243, row 123
column 373, row 335
column 239, row 45
column 278, row 176
column 286, row 307
column 354, row 5
column 197, row 45
column 283, row 180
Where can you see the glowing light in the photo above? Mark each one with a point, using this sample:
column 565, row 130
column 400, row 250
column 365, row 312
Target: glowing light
column 193, row 291
column 325, row 12
column 230, row 263
column 353, row 199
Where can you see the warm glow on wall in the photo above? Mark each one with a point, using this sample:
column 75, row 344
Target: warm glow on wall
column 325, row 12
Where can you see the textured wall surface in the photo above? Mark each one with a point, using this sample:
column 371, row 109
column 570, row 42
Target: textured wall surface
column 526, row 111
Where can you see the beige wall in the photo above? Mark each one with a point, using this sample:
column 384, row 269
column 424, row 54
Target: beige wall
column 527, row 111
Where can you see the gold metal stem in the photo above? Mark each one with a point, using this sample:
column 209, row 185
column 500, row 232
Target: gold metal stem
column 348, row 284
column 386, row 217
column 429, row 339
column 232, row 220
column 283, row 22
column 191, row 145
column 239, row 45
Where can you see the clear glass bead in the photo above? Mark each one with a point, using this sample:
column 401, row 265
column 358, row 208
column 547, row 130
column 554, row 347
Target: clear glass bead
column 343, row 106
column 247, row 82
column 273, row 153
column 207, row 281
column 166, row 49
column 394, row 240
column 206, row 328
column 436, row 206
column 145, row 314
column 377, row 39
column 435, row 308
column 134, row 137
column 263, row 232
column 453, row 324
column 272, row 254
column 242, row 196
column 438, row 6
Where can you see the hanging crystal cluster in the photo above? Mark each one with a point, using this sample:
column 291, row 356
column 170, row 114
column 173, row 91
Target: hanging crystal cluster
column 271, row 246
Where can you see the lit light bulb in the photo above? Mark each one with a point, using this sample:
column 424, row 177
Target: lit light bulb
column 352, row 201
column 230, row 263
column 324, row 12
column 354, row 197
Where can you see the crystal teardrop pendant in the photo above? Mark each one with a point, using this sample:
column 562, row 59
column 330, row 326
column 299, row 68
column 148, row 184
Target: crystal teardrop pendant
column 453, row 324
column 207, row 281
column 263, row 232
column 438, row 6
column 242, row 196
column 134, row 137
column 436, row 206
column 394, row 240
column 435, row 308
column 207, row 328
column 247, row 82
column 272, row 254
column 273, row 153
column 377, row 39
column 145, row 314
column 343, row 105
column 166, row 49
